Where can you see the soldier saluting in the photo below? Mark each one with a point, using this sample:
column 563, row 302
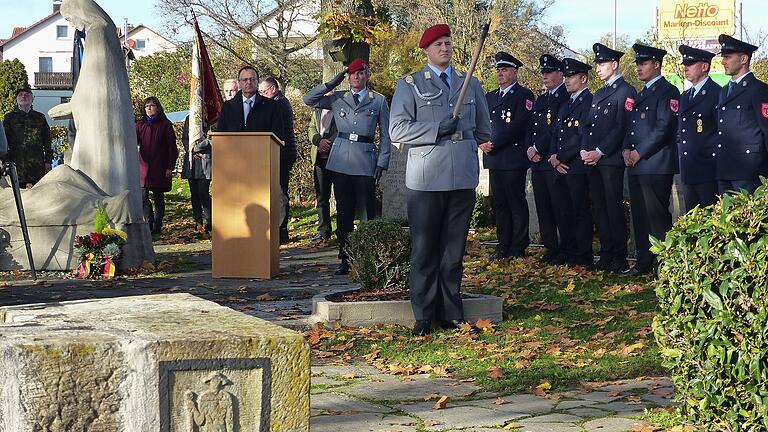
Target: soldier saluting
column 697, row 128
column 354, row 159
column 650, row 152
column 441, row 176
column 601, row 150
column 741, row 154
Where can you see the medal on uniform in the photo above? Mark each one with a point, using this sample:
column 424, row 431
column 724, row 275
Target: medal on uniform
column 642, row 115
column 509, row 116
column 699, row 126
column 606, row 111
column 549, row 118
column 576, row 123
column 342, row 114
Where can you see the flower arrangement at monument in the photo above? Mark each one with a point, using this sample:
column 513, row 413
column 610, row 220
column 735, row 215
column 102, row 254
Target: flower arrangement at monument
column 99, row 250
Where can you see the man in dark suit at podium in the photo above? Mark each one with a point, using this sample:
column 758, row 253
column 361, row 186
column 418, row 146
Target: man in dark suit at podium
column 248, row 111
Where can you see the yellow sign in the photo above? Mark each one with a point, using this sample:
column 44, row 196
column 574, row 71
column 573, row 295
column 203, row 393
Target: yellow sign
column 696, row 19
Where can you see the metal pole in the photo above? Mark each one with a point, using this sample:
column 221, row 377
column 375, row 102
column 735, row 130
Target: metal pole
column 614, row 23
column 741, row 20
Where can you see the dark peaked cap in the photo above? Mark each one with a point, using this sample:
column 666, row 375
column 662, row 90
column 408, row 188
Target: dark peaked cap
column 645, row 52
column 693, row 55
column 550, row 63
column 729, row 44
column 605, row 54
column 504, row 59
column 573, row 67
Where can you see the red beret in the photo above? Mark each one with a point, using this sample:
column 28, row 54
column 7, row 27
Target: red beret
column 434, row 33
column 357, row 65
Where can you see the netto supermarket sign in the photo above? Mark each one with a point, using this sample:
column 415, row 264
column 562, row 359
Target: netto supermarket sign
column 689, row 20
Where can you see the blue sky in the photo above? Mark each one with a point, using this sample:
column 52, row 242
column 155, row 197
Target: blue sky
column 585, row 22
column 22, row 13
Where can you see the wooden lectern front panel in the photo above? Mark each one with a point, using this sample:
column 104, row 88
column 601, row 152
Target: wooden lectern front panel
column 246, row 205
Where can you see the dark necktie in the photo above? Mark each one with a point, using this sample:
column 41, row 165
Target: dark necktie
column 692, row 95
column 731, row 86
column 444, row 77
column 356, row 97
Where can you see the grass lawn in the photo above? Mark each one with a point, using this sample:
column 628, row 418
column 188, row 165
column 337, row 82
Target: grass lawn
column 562, row 327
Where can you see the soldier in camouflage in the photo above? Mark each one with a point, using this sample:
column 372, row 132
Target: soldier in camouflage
column 29, row 139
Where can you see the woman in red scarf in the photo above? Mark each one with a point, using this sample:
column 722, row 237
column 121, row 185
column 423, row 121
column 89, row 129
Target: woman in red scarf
column 157, row 159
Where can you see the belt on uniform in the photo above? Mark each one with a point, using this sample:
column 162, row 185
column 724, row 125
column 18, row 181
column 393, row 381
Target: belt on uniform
column 460, row 135
column 355, row 137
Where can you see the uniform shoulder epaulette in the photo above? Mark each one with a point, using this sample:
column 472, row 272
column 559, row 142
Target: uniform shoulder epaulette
column 409, row 78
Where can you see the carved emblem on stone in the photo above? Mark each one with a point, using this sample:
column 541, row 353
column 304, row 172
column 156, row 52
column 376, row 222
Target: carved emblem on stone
column 212, row 410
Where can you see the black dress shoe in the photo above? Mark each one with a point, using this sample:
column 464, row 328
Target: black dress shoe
column 635, row 271
column 456, row 325
column 558, row 259
column 548, row 257
column 619, row 266
column 422, row 328
column 497, row 255
column 319, row 237
column 603, row 264
column 343, row 269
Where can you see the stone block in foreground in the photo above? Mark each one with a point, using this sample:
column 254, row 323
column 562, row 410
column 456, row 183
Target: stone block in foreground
column 167, row 363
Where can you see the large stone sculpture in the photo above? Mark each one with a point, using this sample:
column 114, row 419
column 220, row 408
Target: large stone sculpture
column 104, row 160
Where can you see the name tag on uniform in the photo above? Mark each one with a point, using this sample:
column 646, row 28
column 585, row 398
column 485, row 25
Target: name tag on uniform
column 353, row 137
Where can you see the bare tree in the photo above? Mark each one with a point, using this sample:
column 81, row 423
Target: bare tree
column 277, row 31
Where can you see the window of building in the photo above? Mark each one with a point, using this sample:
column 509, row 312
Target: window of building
column 141, row 44
column 46, row 64
column 62, row 31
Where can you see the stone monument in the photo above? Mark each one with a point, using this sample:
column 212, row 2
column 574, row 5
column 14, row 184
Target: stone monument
column 104, row 158
column 158, row 363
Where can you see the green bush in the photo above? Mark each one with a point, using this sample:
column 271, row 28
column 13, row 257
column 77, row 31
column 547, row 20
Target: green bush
column 712, row 324
column 379, row 255
column 481, row 212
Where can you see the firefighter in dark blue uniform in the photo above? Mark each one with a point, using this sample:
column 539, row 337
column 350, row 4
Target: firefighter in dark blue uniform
column 566, row 159
column 650, row 152
column 548, row 185
column 741, row 155
column 697, row 129
column 505, row 157
column 601, row 150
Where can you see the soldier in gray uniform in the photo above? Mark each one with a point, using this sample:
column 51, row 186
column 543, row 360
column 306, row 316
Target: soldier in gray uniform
column 354, row 159
column 441, row 176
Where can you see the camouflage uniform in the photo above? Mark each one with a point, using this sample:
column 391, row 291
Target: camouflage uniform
column 29, row 144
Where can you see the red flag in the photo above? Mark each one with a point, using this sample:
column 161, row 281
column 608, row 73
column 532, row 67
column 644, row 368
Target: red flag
column 211, row 95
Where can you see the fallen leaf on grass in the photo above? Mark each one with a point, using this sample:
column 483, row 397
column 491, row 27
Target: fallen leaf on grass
column 522, row 364
column 441, row 403
column 432, row 396
column 484, row 324
column 646, row 428
column 349, row 376
column 613, row 394
column 499, row 401
column 630, row 349
column 494, row 372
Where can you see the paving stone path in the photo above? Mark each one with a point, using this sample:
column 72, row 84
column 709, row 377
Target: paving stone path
column 360, row 398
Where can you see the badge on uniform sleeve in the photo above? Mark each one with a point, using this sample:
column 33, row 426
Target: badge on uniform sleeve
column 629, row 104
column 765, row 110
column 528, row 104
column 674, row 105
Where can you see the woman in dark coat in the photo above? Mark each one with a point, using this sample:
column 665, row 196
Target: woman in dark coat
column 157, row 159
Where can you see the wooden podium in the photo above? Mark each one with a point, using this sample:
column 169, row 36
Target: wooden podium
column 246, row 204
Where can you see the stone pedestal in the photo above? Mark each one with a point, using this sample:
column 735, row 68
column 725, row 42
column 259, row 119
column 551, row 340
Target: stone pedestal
column 393, row 183
column 166, row 363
